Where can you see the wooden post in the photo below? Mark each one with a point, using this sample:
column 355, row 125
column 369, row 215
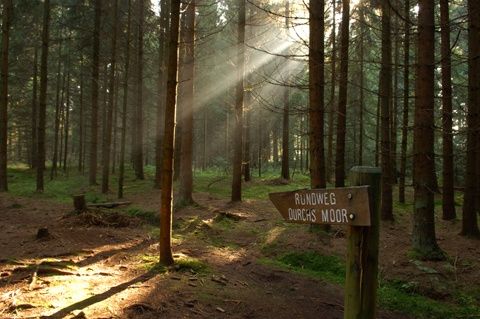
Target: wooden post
column 362, row 253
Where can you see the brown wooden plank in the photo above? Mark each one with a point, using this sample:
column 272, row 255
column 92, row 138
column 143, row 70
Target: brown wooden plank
column 336, row 206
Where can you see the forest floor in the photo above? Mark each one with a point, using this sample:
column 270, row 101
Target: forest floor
column 232, row 261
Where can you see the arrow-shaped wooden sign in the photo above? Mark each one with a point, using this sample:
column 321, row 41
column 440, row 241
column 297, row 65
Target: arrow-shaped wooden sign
column 343, row 206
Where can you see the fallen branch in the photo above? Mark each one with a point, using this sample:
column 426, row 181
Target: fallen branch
column 108, row 204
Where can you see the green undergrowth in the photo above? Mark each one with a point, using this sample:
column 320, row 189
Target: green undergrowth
column 397, row 296
column 150, row 217
column 217, row 183
column 182, row 263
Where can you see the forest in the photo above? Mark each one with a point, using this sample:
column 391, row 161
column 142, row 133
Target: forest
column 141, row 140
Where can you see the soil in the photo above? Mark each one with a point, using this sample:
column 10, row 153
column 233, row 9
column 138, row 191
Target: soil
column 82, row 269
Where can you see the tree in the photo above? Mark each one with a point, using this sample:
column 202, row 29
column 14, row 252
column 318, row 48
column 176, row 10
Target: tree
column 469, row 220
column 138, row 145
column 126, row 74
column 34, row 121
column 94, row 108
column 186, row 177
column 42, row 111
column 342, row 97
column 238, row 130
column 162, row 55
column 316, row 89
column 424, row 241
column 111, row 96
column 406, row 104
column 448, row 202
column 6, row 21
column 385, row 87
column 166, row 256
column 286, row 112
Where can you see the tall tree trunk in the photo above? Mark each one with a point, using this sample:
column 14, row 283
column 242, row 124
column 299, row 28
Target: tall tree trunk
column 286, row 110
column 342, row 97
column 58, row 105
column 186, row 176
column 394, row 104
column 331, row 109
column 385, row 87
column 406, row 94
column 33, row 149
column 248, row 125
column 166, row 257
column 317, row 88
column 111, row 100
column 469, row 220
column 448, row 192
column 6, row 21
column 42, row 112
column 138, row 146
column 115, row 123
column 238, row 131
column 126, row 74
column 81, row 140
column 94, row 89
column 362, row 84
column 424, row 241
column 66, row 124
column 162, row 62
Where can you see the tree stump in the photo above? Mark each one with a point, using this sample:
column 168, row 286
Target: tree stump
column 79, row 203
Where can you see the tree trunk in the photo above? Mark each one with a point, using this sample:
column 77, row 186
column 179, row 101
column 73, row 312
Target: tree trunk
column 6, row 21
column 81, row 149
column 238, row 131
column 448, row 201
column 361, row 95
column 166, row 257
column 66, row 125
column 126, row 74
column 331, row 111
column 469, row 220
column 342, row 97
column 33, row 149
column 424, row 241
column 186, row 176
column 385, row 87
column 406, row 94
column 60, row 81
column 94, row 88
column 162, row 56
column 286, row 109
column 317, row 88
column 138, row 146
column 42, row 112
column 111, row 100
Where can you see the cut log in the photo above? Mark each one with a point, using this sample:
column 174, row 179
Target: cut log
column 108, row 204
column 79, row 203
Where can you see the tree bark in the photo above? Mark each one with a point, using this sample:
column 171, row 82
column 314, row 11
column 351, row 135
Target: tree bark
column 81, row 141
column 238, row 130
column 59, row 91
column 342, row 97
column 186, row 176
column 448, row 202
column 385, row 87
column 94, row 108
column 6, row 21
column 66, row 125
column 166, row 256
column 126, row 74
column 286, row 110
column 424, row 241
column 406, row 96
column 111, row 100
column 331, row 111
column 33, row 155
column 162, row 57
column 42, row 112
column 138, row 146
column 317, row 89
column 469, row 220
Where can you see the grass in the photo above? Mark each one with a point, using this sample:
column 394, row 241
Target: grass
column 392, row 295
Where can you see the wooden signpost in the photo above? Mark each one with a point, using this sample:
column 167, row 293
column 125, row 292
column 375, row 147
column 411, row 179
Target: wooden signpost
column 356, row 207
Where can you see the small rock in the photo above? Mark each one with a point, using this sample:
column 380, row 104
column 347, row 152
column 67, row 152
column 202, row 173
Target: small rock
column 220, row 309
column 43, row 233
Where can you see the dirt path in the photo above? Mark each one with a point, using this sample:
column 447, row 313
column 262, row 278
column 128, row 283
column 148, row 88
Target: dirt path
column 104, row 272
